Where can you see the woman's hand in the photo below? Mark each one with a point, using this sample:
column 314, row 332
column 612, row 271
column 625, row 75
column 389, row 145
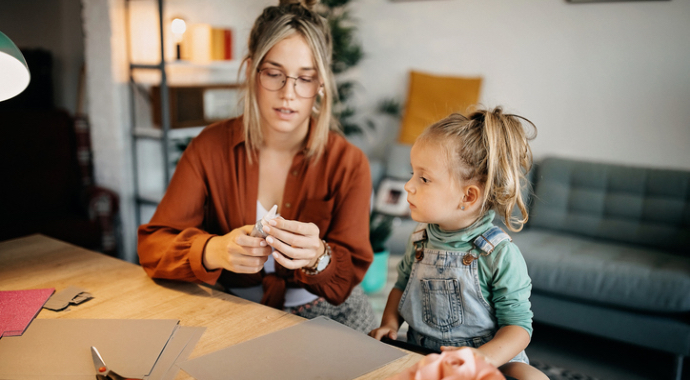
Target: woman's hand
column 236, row 251
column 296, row 244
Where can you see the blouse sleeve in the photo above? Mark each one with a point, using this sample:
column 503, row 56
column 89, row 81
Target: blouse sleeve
column 347, row 235
column 171, row 245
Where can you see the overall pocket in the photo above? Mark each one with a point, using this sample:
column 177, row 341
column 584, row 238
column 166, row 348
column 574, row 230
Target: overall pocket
column 441, row 303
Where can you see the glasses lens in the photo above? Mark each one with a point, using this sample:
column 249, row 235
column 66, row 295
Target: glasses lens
column 306, row 87
column 271, row 79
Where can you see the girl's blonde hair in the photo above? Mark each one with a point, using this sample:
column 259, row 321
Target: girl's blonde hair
column 492, row 148
column 275, row 24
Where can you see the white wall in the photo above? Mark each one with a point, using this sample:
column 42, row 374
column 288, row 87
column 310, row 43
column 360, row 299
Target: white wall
column 607, row 81
column 107, row 89
column 54, row 25
column 602, row 81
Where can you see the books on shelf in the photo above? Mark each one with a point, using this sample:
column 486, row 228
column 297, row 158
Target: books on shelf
column 204, row 43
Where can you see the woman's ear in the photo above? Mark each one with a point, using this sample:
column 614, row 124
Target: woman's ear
column 248, row 68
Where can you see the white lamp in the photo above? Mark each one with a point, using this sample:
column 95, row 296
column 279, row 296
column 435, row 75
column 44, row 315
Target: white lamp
column 178, row 27
column 14, row 72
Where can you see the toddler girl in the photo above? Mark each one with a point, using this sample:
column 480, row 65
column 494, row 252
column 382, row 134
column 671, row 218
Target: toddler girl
column 462, row 282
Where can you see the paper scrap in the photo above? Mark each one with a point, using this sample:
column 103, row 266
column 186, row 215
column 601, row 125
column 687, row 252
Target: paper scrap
column 70, row 295
column 19, row 307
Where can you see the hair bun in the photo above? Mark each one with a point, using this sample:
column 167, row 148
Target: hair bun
column 309, row 4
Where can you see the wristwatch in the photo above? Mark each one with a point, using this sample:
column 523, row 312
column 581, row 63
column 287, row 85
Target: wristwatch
column 321, row 263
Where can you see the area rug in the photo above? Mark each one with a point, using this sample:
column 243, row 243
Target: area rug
column 557, row 373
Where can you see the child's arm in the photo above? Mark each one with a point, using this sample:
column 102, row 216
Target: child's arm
column 505, row 345
column 390, row 323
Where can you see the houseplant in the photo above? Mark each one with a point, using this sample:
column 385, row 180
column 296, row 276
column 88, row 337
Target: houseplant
column 380, row 229
column 347, row 52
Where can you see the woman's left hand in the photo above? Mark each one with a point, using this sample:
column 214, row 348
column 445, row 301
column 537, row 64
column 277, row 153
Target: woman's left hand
column 296, row 244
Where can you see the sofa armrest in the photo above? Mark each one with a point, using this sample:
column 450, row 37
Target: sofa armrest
column 103, row 206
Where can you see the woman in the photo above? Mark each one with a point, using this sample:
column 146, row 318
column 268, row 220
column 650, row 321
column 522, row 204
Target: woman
column 284, row 151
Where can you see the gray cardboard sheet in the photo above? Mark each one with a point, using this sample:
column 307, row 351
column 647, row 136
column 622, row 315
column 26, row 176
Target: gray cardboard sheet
column 57, row 348
column 179, row 347
column 316, row 349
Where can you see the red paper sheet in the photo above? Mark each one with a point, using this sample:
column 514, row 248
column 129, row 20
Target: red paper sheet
column 19, row 307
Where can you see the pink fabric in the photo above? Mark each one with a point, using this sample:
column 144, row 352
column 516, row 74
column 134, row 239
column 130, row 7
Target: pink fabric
column 462, row 364
column 19, row 307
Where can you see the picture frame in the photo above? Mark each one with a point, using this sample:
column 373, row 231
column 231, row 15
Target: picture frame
column 606, row 1
column 391, row 197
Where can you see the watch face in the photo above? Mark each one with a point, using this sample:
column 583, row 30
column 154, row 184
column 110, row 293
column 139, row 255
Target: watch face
column 323, row 263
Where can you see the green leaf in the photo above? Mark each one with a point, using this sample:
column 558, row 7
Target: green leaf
column 380, row 230
column 334, row 3
column 390, row 107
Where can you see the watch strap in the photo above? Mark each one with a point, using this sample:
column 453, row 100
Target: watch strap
column 315, row 268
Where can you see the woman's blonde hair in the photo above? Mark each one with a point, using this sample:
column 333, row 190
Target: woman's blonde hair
column 492, row 148
column 274, row 25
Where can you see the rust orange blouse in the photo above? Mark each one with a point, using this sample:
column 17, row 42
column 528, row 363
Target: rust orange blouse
column 214, row 190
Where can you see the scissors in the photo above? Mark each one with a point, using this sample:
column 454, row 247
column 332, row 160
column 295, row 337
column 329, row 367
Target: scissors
column 102, row 370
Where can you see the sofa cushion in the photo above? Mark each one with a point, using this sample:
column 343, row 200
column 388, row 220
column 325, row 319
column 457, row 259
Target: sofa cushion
column 643, row 206
column 611, row 273
column 432, row 97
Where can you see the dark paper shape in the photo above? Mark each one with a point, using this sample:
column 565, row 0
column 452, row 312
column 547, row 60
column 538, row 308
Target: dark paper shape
column 316, row 349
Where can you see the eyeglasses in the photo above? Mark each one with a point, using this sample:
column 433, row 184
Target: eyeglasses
column 274, row 80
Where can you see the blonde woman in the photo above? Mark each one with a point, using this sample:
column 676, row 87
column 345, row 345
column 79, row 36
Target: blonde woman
column 285, row 150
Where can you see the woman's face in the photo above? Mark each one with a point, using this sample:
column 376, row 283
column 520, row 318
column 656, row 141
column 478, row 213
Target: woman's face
column 285, row 110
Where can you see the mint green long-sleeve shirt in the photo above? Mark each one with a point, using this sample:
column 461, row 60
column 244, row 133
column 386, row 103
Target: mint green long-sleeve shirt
column 503, row 276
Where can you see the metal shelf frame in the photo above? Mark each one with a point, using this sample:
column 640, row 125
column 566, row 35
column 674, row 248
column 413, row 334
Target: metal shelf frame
column 164, row 109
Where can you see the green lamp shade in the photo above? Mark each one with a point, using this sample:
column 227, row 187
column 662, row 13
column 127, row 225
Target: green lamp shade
column 14, row 72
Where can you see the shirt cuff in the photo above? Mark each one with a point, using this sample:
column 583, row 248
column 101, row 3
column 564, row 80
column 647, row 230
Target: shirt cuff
column 196, row 252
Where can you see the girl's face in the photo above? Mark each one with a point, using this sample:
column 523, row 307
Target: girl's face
column 433, row 193
column 284, row 110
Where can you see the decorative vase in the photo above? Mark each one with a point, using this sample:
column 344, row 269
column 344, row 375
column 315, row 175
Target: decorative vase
column 375, row 279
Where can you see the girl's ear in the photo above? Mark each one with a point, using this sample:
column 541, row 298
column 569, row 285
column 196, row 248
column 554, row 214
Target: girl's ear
column 470, row 196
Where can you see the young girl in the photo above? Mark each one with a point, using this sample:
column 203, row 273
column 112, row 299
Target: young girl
column 462, row 282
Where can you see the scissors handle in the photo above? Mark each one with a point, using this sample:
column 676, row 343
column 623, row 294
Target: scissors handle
column 113, row 376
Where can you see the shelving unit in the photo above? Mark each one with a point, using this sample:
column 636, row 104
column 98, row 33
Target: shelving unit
column 136, row 132
column 207, row 74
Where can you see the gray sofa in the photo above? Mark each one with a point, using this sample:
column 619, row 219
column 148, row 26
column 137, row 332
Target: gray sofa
column 608, row 250
column 607, row 247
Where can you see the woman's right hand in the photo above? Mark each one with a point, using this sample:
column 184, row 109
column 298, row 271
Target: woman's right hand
column 236, row 251
column 387, row 331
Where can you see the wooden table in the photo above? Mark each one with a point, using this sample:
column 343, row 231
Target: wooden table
column 122, row 290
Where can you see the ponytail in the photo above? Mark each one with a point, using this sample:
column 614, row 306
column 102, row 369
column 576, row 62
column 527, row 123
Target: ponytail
column 509, row 158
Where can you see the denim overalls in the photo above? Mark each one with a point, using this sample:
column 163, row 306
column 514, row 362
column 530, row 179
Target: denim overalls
column 443, row 302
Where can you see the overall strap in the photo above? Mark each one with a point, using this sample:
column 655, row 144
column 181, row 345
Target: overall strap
column 419, row 238
column 487, row 241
